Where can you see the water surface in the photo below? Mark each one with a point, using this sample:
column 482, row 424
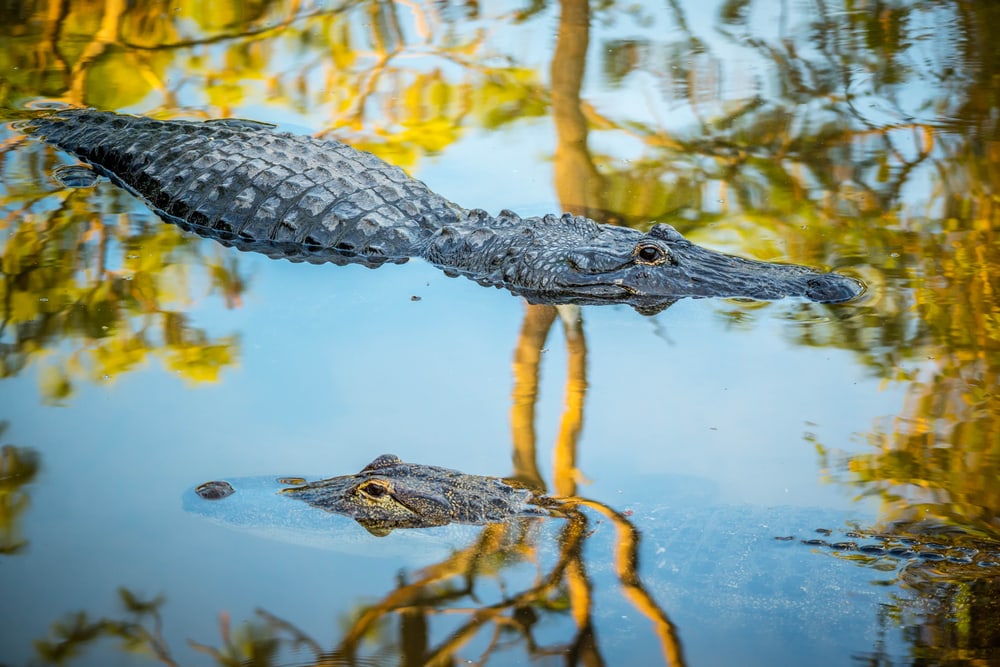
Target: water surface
column 138, row 361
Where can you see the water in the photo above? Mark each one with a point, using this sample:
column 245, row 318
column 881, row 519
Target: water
column 139, row 361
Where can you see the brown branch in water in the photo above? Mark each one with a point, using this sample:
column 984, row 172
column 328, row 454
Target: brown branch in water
column 565, row 474
column 571, row 552
column 627, row 566
column 527, row 361
column 107, row 34
column 263, row 31
column 298, row 637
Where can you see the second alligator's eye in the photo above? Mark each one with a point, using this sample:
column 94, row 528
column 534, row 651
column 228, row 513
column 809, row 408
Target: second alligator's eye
column 374, row 489
column 648, row 253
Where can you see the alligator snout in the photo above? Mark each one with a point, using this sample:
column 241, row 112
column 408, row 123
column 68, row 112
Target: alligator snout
column 833, row 288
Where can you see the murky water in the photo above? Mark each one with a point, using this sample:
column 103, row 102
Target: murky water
column 139, row 361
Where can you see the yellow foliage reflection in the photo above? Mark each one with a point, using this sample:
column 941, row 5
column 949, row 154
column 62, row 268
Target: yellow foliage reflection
column 120, row 284
column 940, row 458
column 119, row 291
column 820, row 157
column 18, row 467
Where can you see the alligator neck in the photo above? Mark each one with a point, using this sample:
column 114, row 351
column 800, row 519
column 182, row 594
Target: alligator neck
column 506, row 249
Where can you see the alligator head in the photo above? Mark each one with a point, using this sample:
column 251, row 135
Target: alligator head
column 388, row 494
column 572, row 259
column 663, row 264
column 652, row 270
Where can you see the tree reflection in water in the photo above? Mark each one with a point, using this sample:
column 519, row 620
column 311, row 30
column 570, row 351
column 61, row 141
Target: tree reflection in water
column 853, row 149
column 446, row 590
column 405, row 626
column 18, row 467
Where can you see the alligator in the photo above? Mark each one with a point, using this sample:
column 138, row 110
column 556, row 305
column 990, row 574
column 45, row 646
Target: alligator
column 247, row 185
column 388, row 494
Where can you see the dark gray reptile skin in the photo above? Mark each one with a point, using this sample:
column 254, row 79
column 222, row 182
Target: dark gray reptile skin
column 294, row 196
column 302, row 198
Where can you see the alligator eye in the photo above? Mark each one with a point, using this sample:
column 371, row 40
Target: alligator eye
column 647, row 253
column 374, row 489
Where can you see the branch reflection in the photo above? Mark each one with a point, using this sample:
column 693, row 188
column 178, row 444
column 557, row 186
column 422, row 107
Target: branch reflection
column 18, row 467
column 813, row 172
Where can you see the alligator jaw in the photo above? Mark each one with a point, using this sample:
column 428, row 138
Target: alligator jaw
column 706, row 273
column 614, row 272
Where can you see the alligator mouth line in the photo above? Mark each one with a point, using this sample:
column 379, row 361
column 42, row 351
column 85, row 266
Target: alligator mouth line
column 598, row 285
column 409, row 508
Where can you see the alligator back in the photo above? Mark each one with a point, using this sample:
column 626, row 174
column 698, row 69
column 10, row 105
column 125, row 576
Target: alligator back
column 247, row 185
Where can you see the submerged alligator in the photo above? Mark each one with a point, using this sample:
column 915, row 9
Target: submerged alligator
column 301, row 198
column 389, row 493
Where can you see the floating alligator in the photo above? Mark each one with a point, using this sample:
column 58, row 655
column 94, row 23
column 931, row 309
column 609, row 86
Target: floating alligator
column 389, row 494
column 714, row 569
column 302, row 198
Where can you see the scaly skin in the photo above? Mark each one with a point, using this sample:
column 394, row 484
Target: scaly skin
column 301, row 198
column 389, row 494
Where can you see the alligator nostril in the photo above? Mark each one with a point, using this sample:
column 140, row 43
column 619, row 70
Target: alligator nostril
column 215, row 490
